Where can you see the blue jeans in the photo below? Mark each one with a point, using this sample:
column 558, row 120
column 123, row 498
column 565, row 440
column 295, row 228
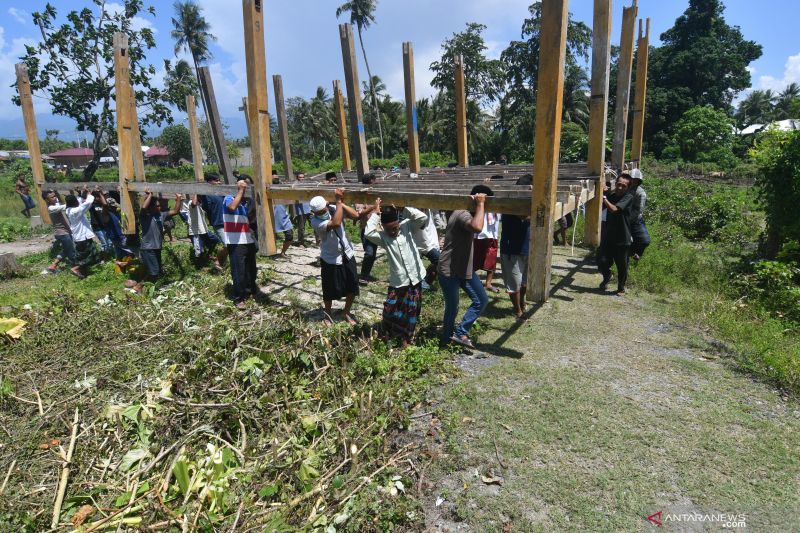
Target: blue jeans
column 105, row 242
column 474, row 289
column 370, row 252
column 67, row 248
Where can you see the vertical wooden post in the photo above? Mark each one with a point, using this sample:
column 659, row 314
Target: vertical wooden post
column 122, row 87
column 194, row 134
column 549, row 107
column 411, row 108
column 32, row 134
column 283, row 127
column 640, row 99
column 625, row 65
column 354, row 99
column 461, row 113
column 136, row 139
column 246, row 110
column 256, row 60
column 598, row 115
column 215, row 123
column 341, row 124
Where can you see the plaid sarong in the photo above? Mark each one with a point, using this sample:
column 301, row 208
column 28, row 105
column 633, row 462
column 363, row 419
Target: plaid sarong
column 401, row 311
column 86, row 253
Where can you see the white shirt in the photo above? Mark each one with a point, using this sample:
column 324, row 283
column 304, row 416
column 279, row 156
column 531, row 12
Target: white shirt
column 331, row 243
column 78, row 222
column 489, row 230
column 197, row 218
column 426, row 237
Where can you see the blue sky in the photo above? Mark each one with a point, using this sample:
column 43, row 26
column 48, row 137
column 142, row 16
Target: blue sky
column 302, row 42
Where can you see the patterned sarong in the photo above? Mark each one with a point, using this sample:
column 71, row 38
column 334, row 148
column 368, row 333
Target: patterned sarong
column 401, row 311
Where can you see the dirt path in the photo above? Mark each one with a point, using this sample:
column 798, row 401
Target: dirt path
column 600, row 411
column 41, row 243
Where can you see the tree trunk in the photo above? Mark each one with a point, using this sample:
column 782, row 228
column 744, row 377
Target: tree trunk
column 372, row 90
column 773, row 244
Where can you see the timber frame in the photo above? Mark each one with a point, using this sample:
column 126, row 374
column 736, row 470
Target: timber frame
column 557, row 189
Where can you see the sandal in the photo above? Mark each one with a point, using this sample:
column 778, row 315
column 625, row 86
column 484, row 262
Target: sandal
column 463, row 341
column 77, row 274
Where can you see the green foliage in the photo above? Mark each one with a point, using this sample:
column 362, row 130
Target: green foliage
column 574, row 143
column 703, row 135
column 177, row 140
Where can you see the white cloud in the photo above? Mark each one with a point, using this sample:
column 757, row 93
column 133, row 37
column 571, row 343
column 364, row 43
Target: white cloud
column 395, row 81
column 19, row 15
column 9, row 57
column 137, row 23
column 791, row 73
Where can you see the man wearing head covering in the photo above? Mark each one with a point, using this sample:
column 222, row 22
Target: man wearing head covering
column 339, row 271
column 616, row 243
column 404, row 299
column 641, row 237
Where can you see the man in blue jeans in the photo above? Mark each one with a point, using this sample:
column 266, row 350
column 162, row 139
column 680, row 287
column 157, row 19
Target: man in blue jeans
column 455, row 270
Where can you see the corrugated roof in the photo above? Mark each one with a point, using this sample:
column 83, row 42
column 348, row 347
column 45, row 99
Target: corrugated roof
column 156, row 151
column 73, row 152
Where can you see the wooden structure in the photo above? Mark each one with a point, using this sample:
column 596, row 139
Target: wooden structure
column 625, row 66
column 194, row 135
column 354, row 99
column 215, row 124
column 412, row 129
column 283, row 127
column 341, row 125
column 125, row 132
column 640, row 99
column 461, row 113
column 32, row 134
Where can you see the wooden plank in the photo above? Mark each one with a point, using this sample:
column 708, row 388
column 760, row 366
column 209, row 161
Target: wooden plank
column 136, row 139
column 625, row 65
column 125, row 132
column 640, row 99
column 598, row 113
column 341, row 125
column 412, row 129
column 283, row 127
column 461, row 113
column 549, row 107
column 194, row 134
column 256, row 62
column 354, row 99
column 32, row 134
column 246, row 110
column 215, row 123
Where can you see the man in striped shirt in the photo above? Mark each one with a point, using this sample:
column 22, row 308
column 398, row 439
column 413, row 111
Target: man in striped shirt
column 241, row 246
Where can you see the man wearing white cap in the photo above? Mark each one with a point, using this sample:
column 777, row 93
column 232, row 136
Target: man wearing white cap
column 339, row 271
column 641, row 237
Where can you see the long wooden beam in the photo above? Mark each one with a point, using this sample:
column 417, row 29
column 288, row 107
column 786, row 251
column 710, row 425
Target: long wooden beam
column 625, row 66
column 124, row 131
column 354, row 99
column 256, row 62
column 283, row 127
column 341, row 125
column 549, row 108
column 194, row 135
column 412, row 129
column 215, row 123
column 32, row 134
column 640, row 98
column 136, row 138
column 598, row 113
column 461, row 113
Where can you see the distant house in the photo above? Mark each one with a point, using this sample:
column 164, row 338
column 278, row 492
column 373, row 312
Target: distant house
column 790, row 124
column 73, row 157
column 110, row 155
column 157, row 155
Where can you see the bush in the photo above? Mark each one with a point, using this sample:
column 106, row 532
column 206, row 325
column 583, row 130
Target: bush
column 703, row 135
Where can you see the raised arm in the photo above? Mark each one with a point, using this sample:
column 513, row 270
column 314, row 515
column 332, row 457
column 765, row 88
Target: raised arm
column 148, row 197
column 234, row 205
column 477, row 219
column 338, row 216
column 371, row 232
column 417, row 217
column 178, row 202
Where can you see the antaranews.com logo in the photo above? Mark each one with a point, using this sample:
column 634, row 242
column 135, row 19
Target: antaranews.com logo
column 725, row 520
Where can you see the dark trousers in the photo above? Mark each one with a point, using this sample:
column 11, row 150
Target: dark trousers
column 243, row 270
column 300, row 221
column 614, row 254
column 641, row 238
column 370, row 252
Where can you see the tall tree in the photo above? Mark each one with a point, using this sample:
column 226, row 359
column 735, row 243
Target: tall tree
column 756, row 108
column 73, row 66
column 703, row 61
column 192, row 33
column 362, row 16
column 786, row 102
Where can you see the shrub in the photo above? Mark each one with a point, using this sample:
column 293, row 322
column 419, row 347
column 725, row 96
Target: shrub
column 704, row 135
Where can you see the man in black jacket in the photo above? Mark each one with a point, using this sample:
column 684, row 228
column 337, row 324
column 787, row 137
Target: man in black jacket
column 615, row 246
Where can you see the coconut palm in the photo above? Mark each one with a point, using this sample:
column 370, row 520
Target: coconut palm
column 756, row 108
column 362, row 16
column 785, row 102
column 193, row 34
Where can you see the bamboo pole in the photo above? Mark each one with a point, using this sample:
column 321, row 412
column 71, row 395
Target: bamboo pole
column 32, row 134
column 283, row 127
column 598, row 113
column 124, row 132
column 461, row 113
column 354, row 99
column 640, row 99
column 341, row 124
column 256, row 61
column 194, row 134
column 62, row 483
column 412, row 129
column 549, row 107
column 624, row 85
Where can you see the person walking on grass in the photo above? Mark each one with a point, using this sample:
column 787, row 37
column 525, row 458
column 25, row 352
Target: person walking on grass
column 302, row 211
column 485, row 254
column 241, row 246
column 403, row 303
column 616, row 243
column 203, row 241
column 338, row 267
column 113, row 226
column 639, row 233
column 24, row 192
column 370, row 249
column 63, row 245
column 283, row 226
column 427, row 240
column 152, row 235
column 85, row 248
column 515, row 237
column 212, row 206
column 456, row 273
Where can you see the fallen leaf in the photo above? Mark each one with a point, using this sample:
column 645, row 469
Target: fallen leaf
column 492, row 480
column 508, row 527
column 44, row 446
column 55, row 442
column 83, row 513
column 467, row 420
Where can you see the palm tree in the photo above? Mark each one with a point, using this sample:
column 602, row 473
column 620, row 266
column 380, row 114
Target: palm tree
column 362, row 15
column 193, row 34
column 756, row 108
column 785, row 101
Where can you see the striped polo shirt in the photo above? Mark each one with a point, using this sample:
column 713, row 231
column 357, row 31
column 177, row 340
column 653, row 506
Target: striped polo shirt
column 235, row 226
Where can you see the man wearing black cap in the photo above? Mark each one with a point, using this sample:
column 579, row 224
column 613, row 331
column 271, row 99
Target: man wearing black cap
column 615, row 247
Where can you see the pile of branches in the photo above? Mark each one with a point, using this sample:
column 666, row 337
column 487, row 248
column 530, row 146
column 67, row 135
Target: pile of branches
column 175, row 414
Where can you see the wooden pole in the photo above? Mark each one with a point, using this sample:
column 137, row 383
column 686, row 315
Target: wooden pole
column 215, row 123
column 136, row 139
column 354, row 99
column 461, row 114
column 411, row 108
column 341, row 124
column 624, row 85
column 598, row 114
column 124, row 131
column 257, row 106
column 194, row 134
column 283, row 127
column 32, row 134
column 640, row 99
column 549, row 107
column 246, row 110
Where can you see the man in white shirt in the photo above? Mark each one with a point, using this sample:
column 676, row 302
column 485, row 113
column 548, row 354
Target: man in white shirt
column 82, row 235
column 485, row 251
column 427, row 240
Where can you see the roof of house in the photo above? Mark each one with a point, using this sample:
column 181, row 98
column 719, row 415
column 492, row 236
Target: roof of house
column 156, row 151
column 74, row 152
